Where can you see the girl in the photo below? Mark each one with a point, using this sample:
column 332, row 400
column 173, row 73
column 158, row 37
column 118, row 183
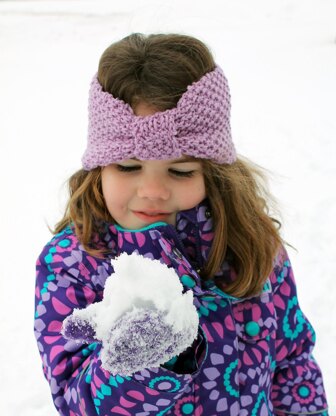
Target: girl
column 161, row 177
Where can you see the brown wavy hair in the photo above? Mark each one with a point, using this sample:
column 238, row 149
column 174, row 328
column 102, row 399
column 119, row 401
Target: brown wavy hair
column 156, row 69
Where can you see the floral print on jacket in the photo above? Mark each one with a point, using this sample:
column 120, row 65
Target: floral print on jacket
column 252, row 356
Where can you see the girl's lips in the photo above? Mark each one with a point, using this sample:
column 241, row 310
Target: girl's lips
column 147, row 217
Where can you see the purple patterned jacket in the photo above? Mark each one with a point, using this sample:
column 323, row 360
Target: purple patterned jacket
column 252, row 356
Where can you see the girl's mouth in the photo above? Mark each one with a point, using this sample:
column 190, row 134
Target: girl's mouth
column 151, row 216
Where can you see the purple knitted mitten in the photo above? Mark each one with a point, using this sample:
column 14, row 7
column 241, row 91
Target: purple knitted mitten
column 141, row 339
column 78, row 330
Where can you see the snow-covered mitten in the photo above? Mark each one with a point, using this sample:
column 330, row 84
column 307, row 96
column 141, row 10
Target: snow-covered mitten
column 144, row 319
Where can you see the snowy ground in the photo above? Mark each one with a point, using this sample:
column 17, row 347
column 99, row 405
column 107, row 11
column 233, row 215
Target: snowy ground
column 280, row 59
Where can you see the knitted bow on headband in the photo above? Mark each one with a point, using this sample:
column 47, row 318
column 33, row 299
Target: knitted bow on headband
column 198, row 126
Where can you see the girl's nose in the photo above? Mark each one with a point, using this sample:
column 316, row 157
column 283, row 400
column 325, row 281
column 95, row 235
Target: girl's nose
column 153, row 188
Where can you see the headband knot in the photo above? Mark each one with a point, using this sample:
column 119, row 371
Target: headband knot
column 160, row 132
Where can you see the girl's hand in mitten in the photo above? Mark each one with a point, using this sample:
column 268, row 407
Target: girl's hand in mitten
column 142, row 339
column 143, row 320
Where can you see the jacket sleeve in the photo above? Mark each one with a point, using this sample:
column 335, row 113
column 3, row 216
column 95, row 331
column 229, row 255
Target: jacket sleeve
column 78, row 383
column 297, row 384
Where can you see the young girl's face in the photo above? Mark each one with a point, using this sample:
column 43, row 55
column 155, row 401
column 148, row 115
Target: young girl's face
column 138, row 193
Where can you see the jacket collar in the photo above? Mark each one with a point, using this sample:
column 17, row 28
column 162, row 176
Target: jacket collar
column 194, row 229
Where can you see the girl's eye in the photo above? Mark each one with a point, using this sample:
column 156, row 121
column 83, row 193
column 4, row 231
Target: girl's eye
column 183, row 174
column 122, row 168
column 135, row 168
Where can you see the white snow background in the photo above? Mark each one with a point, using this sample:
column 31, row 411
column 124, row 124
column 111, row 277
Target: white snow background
column 280, row 60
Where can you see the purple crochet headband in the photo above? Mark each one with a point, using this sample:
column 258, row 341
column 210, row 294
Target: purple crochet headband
column 198, row 126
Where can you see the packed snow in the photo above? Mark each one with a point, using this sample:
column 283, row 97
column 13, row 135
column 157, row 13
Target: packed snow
column 280, row 60
column 141, row 292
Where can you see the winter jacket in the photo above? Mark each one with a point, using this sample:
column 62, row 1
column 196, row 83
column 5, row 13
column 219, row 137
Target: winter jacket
column 252, row 356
